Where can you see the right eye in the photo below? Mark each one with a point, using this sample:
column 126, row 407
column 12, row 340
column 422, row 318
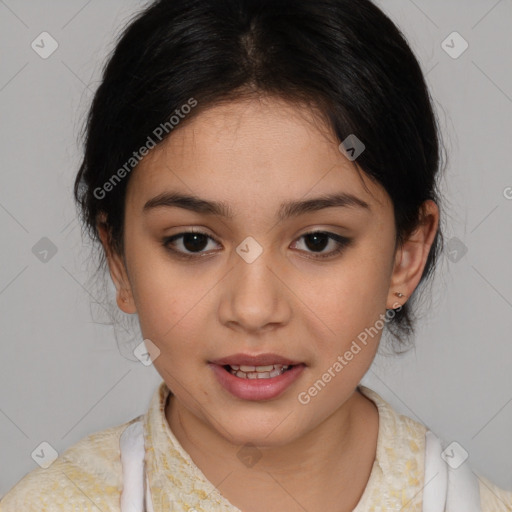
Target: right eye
column 193, row 241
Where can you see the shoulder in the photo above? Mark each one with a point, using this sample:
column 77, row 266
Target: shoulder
column 87, row 476
column 493, row 498
column 401, row 455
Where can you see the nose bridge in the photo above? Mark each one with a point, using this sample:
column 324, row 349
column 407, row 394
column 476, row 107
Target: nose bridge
column 255, row 296
column 253, row 279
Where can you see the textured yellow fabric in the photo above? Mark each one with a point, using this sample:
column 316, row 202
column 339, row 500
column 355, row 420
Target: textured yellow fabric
column 87, row 476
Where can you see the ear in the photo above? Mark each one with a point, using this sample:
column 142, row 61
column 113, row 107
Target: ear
column 411, row 256
column 117, row 268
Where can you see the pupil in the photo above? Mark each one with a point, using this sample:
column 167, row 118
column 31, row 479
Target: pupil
column 194, row 241
column 317, row 245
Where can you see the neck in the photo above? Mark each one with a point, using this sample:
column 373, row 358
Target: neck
column 325, row 469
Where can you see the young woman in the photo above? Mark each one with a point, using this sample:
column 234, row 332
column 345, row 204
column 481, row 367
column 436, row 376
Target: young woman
column 262, row 178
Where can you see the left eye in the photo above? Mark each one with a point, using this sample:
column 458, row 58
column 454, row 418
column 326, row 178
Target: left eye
column 317, row 240
column 195, row 242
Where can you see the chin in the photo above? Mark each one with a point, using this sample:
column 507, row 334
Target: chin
column 266, row 431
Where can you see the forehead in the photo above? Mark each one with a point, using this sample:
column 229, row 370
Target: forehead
column 251, row 150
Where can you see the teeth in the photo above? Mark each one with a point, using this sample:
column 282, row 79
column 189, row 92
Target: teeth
column 257, row 372
column 248, row 369
column 276, row 372
column 267, row 368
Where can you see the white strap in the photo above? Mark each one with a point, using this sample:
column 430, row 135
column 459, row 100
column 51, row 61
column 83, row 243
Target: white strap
column 463, row 490
column 436, row 475
column 447, row 489
column 131, row 444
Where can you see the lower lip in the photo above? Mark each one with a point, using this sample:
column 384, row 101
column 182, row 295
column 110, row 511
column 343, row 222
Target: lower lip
column 256, row 389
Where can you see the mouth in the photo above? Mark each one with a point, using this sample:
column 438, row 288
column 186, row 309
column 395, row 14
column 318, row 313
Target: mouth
column 261, row 377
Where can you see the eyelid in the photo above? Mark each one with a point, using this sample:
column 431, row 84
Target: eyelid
column 342, row 242
column 167, row 240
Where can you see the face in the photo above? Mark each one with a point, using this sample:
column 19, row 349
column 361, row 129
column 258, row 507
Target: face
column 257, row 265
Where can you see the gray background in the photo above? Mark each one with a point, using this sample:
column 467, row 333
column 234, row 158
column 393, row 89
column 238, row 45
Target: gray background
column 63, row 375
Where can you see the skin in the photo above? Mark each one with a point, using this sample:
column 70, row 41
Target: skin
column 253, row 155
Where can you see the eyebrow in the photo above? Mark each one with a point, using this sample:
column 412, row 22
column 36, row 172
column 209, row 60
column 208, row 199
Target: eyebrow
column 286, row 210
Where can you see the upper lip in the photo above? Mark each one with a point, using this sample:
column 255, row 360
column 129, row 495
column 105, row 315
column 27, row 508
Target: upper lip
column 259, row 360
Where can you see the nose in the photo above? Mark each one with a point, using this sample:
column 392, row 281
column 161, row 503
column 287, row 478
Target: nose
column 254, row 297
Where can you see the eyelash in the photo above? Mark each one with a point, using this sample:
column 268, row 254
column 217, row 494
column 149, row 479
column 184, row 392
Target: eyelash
column 342, row 242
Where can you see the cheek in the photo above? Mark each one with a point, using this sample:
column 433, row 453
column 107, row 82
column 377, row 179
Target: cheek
column 169, row 299
column 348, row 306
column 356, row 289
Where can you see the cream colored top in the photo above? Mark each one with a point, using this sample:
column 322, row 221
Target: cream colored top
column 88, row 475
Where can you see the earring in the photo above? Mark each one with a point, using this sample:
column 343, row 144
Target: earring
column 399, row 295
